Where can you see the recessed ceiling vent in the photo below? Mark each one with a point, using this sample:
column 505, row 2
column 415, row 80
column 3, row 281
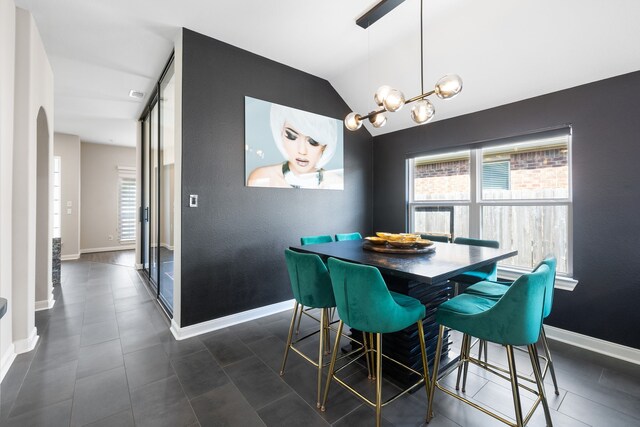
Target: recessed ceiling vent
column 136, row 94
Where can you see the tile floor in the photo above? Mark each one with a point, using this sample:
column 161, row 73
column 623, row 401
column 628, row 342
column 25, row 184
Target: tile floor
column 106, row 358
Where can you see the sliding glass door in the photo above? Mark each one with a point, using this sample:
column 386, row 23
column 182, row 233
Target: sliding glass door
column 157, row 213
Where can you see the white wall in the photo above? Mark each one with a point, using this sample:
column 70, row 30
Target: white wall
column 7, row 69
column 67, row 147
column 99, row 194
column 33, row 95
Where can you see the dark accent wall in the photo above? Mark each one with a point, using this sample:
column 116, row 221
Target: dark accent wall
column 606, row 192
column 233, row 243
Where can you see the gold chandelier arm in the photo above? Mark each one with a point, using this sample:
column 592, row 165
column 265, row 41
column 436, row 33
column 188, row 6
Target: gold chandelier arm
column 424, row 95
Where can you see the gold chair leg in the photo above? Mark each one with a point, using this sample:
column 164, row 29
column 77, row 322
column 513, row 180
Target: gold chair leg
column 299, row 319
column 373, row 362
column 535, row 364
column 289, row 337
column 547, row 352
column 434, row 374
column 323, row 318
column 463, row 357
column 514, row 385
column 332, row 365
column 378, row 379
column 367, row 355
column 425, row 363
column 466, row 364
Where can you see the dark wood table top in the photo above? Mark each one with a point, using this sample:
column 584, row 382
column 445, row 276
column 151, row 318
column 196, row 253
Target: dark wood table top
column 447, row 261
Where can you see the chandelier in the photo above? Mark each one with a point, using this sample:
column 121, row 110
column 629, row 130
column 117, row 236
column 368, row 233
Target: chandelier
column 392, row 100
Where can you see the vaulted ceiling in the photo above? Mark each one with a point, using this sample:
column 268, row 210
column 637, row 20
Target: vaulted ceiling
column 504, row 51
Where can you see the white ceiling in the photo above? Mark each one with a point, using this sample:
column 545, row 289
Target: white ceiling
column 505, row 51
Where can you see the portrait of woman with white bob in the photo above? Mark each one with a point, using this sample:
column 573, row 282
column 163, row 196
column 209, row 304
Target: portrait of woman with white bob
column 307, row 143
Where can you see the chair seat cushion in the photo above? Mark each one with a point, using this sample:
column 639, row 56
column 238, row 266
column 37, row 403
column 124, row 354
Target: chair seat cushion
column 486, row 289
column 463, row 304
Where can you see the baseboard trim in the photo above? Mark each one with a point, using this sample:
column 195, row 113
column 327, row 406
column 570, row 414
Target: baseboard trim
column 138, row 266
column 27, row 344
column 7, row 360
column 109, row 249
column 628, row 354
column 71, row 257
column 45, row 305
column 224, row 322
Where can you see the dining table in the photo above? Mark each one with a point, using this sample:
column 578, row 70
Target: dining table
column 426, row 275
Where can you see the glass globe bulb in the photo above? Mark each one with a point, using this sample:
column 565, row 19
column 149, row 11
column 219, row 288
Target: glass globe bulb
column 378, row 120
column 352, row 121
column 394, row 100
column 422, row 111
column 448, row 86
column 381, row 94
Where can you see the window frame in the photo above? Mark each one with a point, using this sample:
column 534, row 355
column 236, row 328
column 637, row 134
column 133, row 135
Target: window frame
column 476, row 203
column 128, row 174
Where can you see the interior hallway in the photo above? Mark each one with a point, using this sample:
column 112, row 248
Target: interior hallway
column 106, row 358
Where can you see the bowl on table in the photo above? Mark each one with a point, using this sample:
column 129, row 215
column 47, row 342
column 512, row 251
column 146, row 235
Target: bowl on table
column 376, row 240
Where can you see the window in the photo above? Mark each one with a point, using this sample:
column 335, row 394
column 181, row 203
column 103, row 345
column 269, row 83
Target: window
column 516, row 191
column 127, row 205
column 57, row 197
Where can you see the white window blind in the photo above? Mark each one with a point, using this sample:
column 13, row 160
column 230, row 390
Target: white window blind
column 127, row 206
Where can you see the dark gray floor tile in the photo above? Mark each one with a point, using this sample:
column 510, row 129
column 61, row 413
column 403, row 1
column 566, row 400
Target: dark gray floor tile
column 58, row 414
column 226, row 348
column 290, row 410
column 303, row 380
column 133, row 340
column 99, row 357
column 124, row 292
column 162, row 403
column 593, row 413
column 622, row 380
column 596, row 392
column 461, row 413
column 52, row 352
column 63, row 327
column 558, row 418
column 363, row 416
column 99, row 396
column 121, row 419
column 225, row 406
column 199, row 373
column 180, row 348
column 101, row 314
column 270, row 350
column 146, row 366
column 46, row 387
column 259, row 384
column 95, row 333
column 500, row 400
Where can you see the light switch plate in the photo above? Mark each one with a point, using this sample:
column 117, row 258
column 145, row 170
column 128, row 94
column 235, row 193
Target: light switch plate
column 193, row 200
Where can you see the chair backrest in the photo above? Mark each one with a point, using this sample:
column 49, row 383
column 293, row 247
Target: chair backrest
column 348, row 236
column 491, row 269
column 477, row 242
column 362, row 297
column 310, row 280
column 312, row 240
column 549, row 261
column 435, row 237
column 516, row 319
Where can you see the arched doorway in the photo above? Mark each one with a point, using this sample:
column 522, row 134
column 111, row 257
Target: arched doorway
column 43, row 213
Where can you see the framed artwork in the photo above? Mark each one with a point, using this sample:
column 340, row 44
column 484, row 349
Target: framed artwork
column 290, row 148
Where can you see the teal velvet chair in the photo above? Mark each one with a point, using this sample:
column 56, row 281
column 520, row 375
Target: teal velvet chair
column 435, row 237
column 364, row 303
column 495, row 291
column 348, row 236
column 311, row 286
column 312, row 240
column 488, row 272
column 513, row 320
